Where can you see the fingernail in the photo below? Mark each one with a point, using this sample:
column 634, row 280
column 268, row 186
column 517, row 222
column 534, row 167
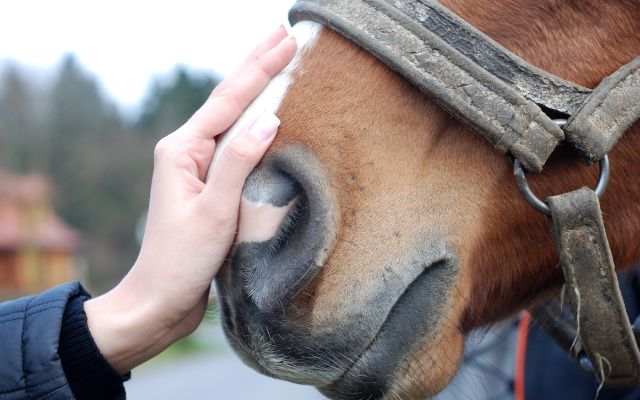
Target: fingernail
column 265, row 127
column 281, row 28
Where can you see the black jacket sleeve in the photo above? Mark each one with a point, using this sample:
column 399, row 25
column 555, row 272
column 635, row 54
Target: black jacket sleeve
column 47, row 352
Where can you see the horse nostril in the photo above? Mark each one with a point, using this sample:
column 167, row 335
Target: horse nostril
column 287, row 224
column 268, row 201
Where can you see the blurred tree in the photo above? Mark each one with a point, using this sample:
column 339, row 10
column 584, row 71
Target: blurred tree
column 18, row 122
column 80, row 122
column 77, row 106
column 170, row 103
column 98, row 169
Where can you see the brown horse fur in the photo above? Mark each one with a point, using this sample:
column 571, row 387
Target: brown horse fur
column 582, row 41
column 400, row 167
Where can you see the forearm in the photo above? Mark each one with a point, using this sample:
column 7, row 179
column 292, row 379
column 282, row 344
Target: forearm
column 128, row 325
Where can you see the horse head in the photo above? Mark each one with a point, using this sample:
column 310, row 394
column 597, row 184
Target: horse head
column 378, row 230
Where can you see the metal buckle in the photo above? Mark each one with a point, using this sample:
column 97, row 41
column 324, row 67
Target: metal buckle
column 540, row 205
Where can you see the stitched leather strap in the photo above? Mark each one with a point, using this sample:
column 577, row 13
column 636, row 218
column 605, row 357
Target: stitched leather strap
column 607, row 113
column 481, row 83
column 591, row 286
column 493, row 108
column 531, row 82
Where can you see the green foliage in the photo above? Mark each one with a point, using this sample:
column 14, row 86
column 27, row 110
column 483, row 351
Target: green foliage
column 168, row 104
column 100, row 163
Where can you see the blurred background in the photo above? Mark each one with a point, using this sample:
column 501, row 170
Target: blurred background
column 86, row 90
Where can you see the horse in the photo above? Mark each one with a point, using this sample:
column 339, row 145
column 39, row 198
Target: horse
column 378, row 230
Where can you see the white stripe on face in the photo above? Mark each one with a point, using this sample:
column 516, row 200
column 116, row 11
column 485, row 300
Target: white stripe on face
column 260, row 220
column 271, row 97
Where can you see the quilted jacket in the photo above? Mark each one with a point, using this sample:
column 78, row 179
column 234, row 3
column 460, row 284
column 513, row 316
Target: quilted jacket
column 43, row 358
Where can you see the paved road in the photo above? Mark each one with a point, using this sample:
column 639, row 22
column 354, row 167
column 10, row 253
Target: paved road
column 219, row 377
column 224, row 377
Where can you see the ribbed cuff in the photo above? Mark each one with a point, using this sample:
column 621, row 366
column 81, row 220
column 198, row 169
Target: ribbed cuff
column 89, row 374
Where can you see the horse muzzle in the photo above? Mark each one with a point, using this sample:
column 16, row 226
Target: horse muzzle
column 289, row 224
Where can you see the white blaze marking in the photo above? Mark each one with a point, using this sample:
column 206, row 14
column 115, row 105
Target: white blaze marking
column 259, row 221
column 271, row 97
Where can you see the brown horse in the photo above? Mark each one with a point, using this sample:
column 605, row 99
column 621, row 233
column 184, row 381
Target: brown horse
column 377, row 231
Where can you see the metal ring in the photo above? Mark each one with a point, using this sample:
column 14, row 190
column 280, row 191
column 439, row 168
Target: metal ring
column 540, row 205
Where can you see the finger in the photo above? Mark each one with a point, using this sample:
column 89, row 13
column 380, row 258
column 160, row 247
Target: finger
column 179, row 151
column 201, row 151
column 237, row 161
column 222, row 110
column 274, row 38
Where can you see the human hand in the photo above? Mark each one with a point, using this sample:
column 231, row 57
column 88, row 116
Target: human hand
column 191, row 224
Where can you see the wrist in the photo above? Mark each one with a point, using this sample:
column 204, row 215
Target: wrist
column 86, row 369
column 123, row 326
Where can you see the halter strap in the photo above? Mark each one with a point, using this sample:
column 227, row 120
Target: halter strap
column 611, row 109
column 531, row 82
column 475, row 96
column 603, row 330
column 481, row 83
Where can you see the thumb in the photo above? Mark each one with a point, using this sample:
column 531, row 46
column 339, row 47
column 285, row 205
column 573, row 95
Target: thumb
column 238, row 159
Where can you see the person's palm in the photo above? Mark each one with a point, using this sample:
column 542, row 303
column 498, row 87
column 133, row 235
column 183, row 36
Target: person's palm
column 192, row 218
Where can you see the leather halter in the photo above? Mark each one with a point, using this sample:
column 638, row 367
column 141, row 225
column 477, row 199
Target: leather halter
column 508, row 101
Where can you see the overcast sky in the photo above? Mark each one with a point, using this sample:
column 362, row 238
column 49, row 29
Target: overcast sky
column 126, row 42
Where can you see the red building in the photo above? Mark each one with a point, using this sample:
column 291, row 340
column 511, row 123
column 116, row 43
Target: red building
column 37, row 248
